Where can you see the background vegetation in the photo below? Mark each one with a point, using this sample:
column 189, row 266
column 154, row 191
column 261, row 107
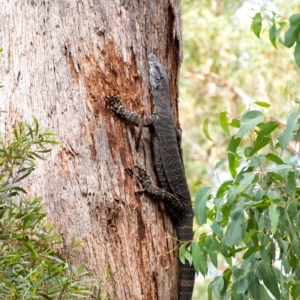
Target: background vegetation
column 227, row 69
column 30, row 268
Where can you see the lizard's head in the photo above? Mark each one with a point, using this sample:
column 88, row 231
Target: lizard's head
column 158, row 73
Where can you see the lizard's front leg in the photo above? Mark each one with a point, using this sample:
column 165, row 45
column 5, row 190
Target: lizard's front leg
column 116, row 105
column 175, row 208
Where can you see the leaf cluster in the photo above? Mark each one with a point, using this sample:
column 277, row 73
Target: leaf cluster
column 254, row 217
column 276, row 26
column 18, row 155
column 226, row 68
column 30, row 268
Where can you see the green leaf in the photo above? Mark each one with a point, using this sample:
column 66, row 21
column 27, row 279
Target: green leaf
column 233, row 233
column 250, row 251
column 224, row 122
column 212, row 250
column 263, row 137
column 273, row 33
column 290, row 127
column 200, row 207
column 256, row 24
column 232, row 157
column 197, row 184
column 295, row 291
column 274, row 217
column 224, row 187
column 291, row 181
column 249, row 234
column 220, row 162
column 226, row 276
column 279, row 30
column 292, row 33
column 213, row 255
column 210, row 290
column 248, row 121
column 182, row 252
column 215, row 226
column 248, row 178
column 242, row 285
column 254, row 285
column 235, row 123
column 297, row 54
column 199, row 259
column 205, row 128
column 262, row 104
column 269, row 279
column 274, row 158
column 218, row 286
column 264, row 295
column 231, row 196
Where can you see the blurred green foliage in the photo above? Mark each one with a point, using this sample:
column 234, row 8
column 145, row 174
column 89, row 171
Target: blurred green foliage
column 30, row 268
column 227, row 71
column 226, row 68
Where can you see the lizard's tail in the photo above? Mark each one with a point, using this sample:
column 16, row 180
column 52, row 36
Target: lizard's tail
column 187, row 272
column 186, row 282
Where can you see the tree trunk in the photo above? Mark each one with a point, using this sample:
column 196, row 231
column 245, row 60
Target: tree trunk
column 60, row 59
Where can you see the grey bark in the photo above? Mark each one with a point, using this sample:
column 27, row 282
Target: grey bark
column 60, row 59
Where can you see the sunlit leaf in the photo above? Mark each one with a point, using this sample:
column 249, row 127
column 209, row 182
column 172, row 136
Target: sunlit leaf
column 256, row 24
column 197, row 184
column 272, row 33
column 232, row 157
column 235, row 123
column 205, row 128
column 224, row 123
column 262, row 104
column 182, row 252
column 274, row 158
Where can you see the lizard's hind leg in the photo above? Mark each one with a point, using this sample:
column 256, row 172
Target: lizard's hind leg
column 174, row 206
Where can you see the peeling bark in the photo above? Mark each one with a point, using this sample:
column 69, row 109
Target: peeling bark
column 60, row 59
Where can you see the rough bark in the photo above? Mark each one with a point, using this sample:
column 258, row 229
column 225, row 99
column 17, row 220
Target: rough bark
column 60, row 59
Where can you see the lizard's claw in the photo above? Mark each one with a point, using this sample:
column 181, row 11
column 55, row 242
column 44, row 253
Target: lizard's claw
column 143, row 177
column 114, row 102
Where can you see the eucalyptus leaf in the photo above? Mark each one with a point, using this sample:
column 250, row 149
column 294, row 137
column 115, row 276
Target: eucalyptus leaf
column 233, row 234
column 224, row 123
column 290, row 128
column 269, row 279
column 254, row 285
column 205, row 128
column 200, row 207
column 256, row 24
column 248, row 121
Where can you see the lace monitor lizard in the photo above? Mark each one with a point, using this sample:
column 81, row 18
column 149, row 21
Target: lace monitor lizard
column 165, row 139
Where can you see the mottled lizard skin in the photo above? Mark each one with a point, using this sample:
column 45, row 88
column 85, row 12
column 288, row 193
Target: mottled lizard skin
column 165, row 136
